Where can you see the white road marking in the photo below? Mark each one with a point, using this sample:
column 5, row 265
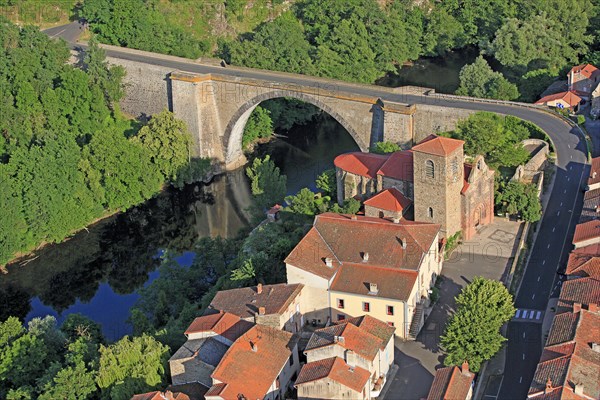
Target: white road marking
column 533, row 296
column 558, row 213
column 523, row 335
column 553, row 229
column 531, row 314
column 520, row 379
column 543, row 262
column 523, row 356
column 548, row 245
column 569, row 145
column 538, row 315
column 565, row 191
column 539, row 278
column 561, row 203
column 518, row 314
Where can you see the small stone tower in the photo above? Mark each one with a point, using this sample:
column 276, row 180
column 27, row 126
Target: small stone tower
column 438, row 181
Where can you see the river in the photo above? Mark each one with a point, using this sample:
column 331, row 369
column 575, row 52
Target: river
column 98, row 271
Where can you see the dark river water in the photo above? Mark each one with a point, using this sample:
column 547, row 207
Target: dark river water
column 98, row 271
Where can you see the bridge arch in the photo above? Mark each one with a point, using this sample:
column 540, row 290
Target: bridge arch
column 232, row 138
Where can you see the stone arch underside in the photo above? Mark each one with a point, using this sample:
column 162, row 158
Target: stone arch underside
column 232, row 139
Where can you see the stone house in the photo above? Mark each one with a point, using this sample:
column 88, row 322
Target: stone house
column 443, row 188
column 363, row 346
column 278, row 306
column 355, row 265
column 452, row 383
column 583, row 79
column 261, row 364
column 564, row 100
column 389, row 203
column 208, row 339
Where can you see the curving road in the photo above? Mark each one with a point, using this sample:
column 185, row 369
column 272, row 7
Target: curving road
column 555, row 231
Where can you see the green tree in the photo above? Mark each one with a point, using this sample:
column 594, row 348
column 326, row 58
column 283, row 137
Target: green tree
column 12, row 220
column 70, row 383
column 479, row 80
column 108, row 78
column 327, row 182
column 131, row 366
column 473, row 332
column 266, row 182
column 384, row 147
column 350, row 206
column 259, row 126
column 302, row 203
column 168, row 143
column 522, row 199
column 246, row 272
column 442, row 32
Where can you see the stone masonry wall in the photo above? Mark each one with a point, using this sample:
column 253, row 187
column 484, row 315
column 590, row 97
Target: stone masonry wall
column 430, row 119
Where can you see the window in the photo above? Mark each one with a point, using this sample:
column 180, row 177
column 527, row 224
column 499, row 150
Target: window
column 429, row 169
column 341, row 317
column 340, row 303
column 366, row 307
column 390, row 323
column 390, row 310
column 430, row 212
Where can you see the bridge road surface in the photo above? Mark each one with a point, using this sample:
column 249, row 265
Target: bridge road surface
column 558, row 222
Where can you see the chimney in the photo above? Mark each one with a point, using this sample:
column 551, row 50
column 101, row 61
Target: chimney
column 373, row 288
column 261, row 311
column 365, row 257
column 329, row 262
column 338, row 339
column 403, row 240
column 597, row 208
column 594, row 175
column 259, row 288
column 596, row 347
column 464, row 368
column 548, row 386
column 576, row 307
column 396, row 220
column 350, row 358
column 354, row 217
column 253, row 346
column 578, row 389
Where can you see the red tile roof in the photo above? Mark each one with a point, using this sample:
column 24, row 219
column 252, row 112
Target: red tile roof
column 583, row 265
column 244, row 302
column 571, row 360
column 158, row 395
column 373, row 326
column 568, row 97
column 359, row 163
column 335, row 369
column 352, row 337
column 392, row 283
column 468, row 168
column 595, row 171
column 224, row 324
column 438, row 145
column 389, row 199
column 581, row 290
column 586, row 231
column 591, row 250
column 586, row 70
column 346, row 240
column 252, row 372
column 451, row 383
column 399, row 165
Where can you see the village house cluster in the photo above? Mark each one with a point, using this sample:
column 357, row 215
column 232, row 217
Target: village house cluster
column 569, row 367
column 355, row 283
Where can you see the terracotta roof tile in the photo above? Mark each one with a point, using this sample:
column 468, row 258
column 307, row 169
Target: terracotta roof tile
column 375, row 327
column 591, row 206
column 594, row 178
column 399, row 165
column 389, row 199
column 392, row 283
column 335, row 369
column 586, row 231
column 572, row 361
column 568, row 97
column 354, row 338
column 244, row 302
column 216, row 389
column 581, row 290
column 468, row 168
column 438, row 145
column 591, row 250
column 450, row 383
column 359, row 163
column 310, row 255
column 583, row 265
column 252, row 372
column 224, row 324
column 586, row 70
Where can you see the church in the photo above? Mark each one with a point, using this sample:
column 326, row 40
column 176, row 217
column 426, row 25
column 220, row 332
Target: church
column 431, row 182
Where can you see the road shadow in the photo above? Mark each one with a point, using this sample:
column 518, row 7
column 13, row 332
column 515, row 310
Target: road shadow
column 412, row 381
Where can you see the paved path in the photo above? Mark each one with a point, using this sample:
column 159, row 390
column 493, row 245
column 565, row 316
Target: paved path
column 489, row 255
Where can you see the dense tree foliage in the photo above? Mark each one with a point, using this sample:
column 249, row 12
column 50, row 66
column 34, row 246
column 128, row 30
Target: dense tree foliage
column 384, row 147
column 473, row 332
column 259, row 126
column 517, row 198
column 66, row 153
column 266, row 182
column 479, row 80
column 496, row 137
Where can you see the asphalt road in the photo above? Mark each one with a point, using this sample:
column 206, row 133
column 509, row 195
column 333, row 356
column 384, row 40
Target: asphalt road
column 556, row 230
